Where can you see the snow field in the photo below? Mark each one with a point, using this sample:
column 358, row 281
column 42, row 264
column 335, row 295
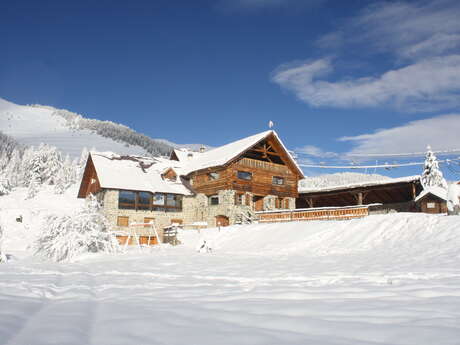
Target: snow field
column 392, row 279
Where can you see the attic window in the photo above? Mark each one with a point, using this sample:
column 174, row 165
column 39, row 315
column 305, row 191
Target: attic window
column 213, row 176
column 244, row 175
column 279, row 181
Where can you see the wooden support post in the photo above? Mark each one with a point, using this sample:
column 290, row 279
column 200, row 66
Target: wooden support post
column 310, row 202
column 414, row 192
column 359, row 198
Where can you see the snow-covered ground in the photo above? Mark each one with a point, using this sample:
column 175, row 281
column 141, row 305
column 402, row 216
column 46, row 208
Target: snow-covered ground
column 390, row 279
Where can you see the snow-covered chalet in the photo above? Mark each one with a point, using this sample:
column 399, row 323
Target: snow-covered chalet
column 221, row 186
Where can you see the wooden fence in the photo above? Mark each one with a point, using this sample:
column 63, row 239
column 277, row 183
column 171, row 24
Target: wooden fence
column 329, row 213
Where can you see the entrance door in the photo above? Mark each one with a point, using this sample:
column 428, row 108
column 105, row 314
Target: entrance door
column 222, row 221
column 258, row 203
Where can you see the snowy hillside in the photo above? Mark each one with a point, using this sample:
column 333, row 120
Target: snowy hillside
column 70, row 132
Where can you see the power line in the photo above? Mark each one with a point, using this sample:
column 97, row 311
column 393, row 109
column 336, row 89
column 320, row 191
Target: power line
column 387, row 166
column 453, row 151
column 360, row 166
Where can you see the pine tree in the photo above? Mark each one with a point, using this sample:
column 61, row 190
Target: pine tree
column 66, row 237
column 432, row 175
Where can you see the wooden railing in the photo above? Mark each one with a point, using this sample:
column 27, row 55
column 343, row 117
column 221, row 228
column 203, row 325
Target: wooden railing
column 329, row 213
column 256, row 164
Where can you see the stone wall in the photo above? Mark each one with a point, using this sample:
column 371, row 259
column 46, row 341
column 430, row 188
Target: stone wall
column 194, row 209
column 197, row 208
column 109, row 200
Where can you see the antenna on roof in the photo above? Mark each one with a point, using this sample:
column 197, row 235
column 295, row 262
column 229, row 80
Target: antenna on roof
column 270, row 124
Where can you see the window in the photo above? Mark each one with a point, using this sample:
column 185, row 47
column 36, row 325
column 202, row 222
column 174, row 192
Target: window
column 170, row 200
column 239, row 199
column 148, row 201
column 122, row 221
column 144, row 200
column 159, row 199
column 244, row 175
column 126, row 200
column 430, row 205
column 214, row 200
column 148, row 220
column 279, row 181
column 213, row 176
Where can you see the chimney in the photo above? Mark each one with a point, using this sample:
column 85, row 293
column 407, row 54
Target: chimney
column 202, row 149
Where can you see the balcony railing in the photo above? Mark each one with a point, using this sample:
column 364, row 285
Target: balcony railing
column 256, row 164
column 326, row 213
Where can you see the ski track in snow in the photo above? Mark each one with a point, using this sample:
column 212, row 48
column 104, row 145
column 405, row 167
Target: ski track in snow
column 391, row 279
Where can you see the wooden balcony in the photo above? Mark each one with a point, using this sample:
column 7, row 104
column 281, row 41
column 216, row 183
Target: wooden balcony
column 261, row 165
column 331, row 213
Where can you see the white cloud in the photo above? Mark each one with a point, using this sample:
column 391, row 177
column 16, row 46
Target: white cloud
column 441, row 132
column 315, row 151
column 427, row 85
column 421, row 38
column 410, row 30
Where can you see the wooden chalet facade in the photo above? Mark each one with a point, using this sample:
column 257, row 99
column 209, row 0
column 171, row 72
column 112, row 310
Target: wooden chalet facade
column 264, row 169
column 221, row 186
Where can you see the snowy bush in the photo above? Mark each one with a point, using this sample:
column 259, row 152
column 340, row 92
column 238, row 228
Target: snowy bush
column 64, row 238
column 453, row 202
column 5, row 186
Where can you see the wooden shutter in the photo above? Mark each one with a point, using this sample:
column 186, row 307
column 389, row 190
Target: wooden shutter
column 122, row 221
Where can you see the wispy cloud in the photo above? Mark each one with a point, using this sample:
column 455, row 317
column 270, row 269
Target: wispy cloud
column 441, row 132
column 427, row 85
column 409, row 30
column 424, row 40
column 315, row 151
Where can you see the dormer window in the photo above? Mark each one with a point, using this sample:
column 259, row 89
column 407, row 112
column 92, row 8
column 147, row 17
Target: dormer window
column 169, row 175
column 213, row 176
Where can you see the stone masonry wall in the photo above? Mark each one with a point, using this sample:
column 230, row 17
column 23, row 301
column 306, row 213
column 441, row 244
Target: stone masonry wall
column 194, row 209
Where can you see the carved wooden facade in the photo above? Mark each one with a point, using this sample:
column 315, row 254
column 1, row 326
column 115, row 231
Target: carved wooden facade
column 264, row 169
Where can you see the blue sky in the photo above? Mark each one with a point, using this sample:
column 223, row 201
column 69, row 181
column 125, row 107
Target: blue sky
column 336, row 77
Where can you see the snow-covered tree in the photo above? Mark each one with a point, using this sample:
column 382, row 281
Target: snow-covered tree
column 453, row 201
column 66, row 237
column 432, row 175
column 5, row 186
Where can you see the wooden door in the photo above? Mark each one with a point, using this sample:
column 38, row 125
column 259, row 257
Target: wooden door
column 222, row 221
column 258, row 203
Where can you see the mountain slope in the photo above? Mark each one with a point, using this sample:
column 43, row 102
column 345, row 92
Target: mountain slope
column 70, row 132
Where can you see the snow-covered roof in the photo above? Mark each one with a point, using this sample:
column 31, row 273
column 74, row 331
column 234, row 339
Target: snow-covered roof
column 435, row 190
column 184, row 154
column 363, row 184
column 224, row 154
column 136, row 173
